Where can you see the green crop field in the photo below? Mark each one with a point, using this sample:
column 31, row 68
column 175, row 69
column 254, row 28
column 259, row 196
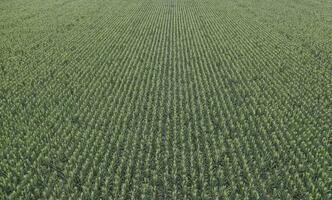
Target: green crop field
column 166, row 99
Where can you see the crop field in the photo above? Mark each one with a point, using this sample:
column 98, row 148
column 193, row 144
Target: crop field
column 166, row 99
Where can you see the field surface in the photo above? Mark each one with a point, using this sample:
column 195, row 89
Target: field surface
column 165, row 99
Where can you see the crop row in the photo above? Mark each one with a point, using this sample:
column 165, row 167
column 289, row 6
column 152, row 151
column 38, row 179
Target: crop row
column 178, row 99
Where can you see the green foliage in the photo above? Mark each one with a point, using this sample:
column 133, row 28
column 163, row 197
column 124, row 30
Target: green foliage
column 165, row 99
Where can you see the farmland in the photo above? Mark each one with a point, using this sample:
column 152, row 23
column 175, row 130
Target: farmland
column 165, row 99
